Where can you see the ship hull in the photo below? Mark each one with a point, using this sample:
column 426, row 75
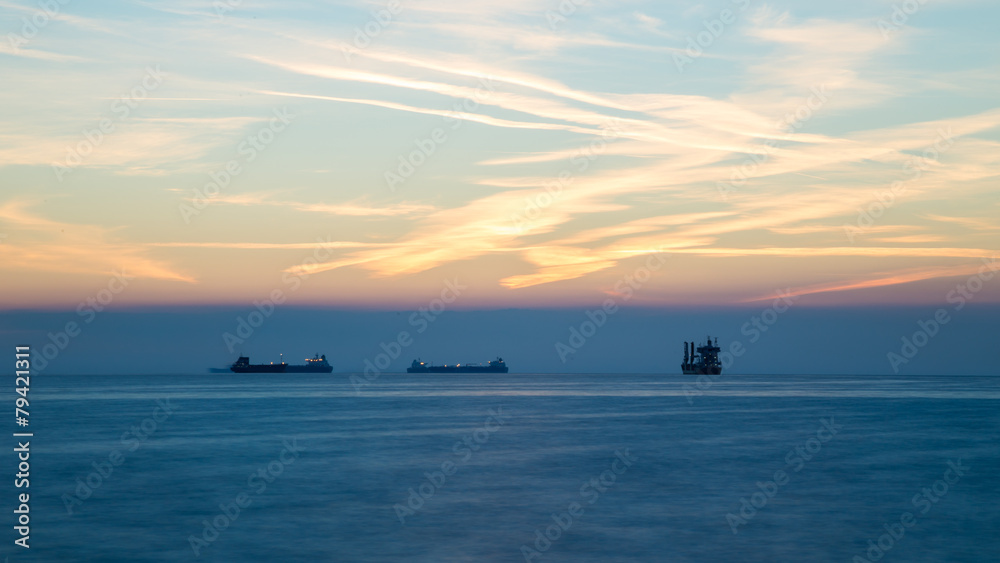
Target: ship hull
column 702, row 371
column 456, row 369
column 262, row 368
column 309, row 369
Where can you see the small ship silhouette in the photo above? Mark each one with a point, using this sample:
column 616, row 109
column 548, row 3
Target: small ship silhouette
column 705, row 362
column 497, row 366
column 316, row 364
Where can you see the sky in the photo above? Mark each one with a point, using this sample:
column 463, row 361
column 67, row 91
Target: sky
column 538, row 155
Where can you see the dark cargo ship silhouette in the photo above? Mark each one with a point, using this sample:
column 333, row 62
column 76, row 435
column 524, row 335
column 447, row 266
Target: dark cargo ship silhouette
column 705, row 362
column 497, row 366
column 316, row 364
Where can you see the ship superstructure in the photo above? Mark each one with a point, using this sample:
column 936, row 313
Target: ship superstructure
column 315, row 364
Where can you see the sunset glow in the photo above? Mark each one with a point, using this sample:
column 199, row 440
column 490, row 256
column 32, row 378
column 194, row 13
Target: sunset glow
column 371, row 152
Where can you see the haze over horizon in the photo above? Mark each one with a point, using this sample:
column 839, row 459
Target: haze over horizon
column 801, row 340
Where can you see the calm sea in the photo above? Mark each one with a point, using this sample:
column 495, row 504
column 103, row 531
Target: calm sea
column 573, row 468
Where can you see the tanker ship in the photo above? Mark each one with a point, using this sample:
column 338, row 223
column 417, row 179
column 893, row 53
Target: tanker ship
column 497, row 366
column 316, row 364
column 705, row 362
